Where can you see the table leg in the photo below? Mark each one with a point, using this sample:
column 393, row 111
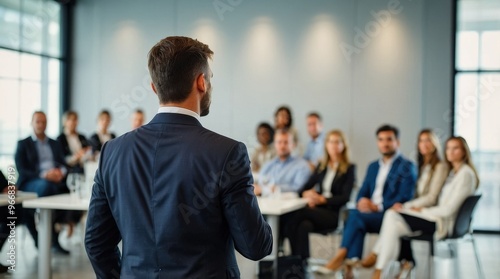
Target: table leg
column 274, row 223
column 44, row 244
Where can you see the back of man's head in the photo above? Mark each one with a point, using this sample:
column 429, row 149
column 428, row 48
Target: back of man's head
column 174, row 63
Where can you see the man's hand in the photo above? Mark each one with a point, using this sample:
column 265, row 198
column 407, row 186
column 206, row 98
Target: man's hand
column 257, row 190
column 54, row 175
column 365, row 205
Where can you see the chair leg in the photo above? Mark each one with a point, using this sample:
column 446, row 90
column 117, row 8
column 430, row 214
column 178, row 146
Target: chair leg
column 430, row 267
column 478, row 263
column 452, row 247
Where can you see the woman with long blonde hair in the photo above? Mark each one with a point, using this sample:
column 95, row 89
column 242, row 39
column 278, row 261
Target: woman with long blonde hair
column 334, row 177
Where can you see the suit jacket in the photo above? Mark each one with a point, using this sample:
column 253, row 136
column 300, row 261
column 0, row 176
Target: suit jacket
column 76, row 167
column 96, row 143
column 64, row 143
column 341, row 189
column 27, row 162
column 399, row 185
column 181, row 199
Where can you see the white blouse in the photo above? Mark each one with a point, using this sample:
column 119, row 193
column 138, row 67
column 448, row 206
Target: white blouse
column 327, row 182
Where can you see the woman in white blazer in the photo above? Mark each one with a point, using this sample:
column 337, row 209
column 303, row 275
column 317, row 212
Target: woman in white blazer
column 461, row 182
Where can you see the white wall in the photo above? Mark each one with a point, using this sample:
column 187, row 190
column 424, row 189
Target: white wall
column 269, row 53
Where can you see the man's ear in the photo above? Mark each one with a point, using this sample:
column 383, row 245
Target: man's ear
column 201, row 83
column 154, row 88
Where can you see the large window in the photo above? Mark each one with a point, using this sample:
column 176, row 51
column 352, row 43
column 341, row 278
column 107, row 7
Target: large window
column 477, row 99
column 30, row 67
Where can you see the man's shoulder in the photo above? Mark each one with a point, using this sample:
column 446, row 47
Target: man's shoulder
column 25, row 142
column 404, row 161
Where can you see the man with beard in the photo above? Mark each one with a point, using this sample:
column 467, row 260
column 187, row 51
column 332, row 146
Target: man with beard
column 389, row 180
column 179, row 196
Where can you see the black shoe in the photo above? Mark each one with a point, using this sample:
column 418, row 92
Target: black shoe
column 3, row 268
column 57, row 249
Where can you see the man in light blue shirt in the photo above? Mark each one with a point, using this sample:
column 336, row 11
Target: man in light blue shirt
column 285, row 171
column 315, row 150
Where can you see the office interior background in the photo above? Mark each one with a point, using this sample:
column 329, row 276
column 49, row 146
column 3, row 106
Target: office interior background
column 362, row 63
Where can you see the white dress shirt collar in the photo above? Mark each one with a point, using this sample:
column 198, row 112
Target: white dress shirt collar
column 179, row 110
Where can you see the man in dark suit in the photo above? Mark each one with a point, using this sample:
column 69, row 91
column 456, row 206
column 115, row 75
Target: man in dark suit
column 41, row 166
column 179, row 196
column 388, row 180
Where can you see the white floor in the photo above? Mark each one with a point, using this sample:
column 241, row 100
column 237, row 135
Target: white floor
column 322, row 247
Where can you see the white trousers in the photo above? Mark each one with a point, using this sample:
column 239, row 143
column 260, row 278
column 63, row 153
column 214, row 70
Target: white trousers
column 388, row 244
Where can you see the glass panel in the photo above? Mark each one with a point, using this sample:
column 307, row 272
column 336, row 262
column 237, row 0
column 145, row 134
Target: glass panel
column 53, row 105
column 32, row 26
column 40, row 27
column 10, row 22
column 490, row 54
column 31, row 67
column 10, row 64
column 53, row 38
column 54, row 70
column 489, row 96
column 31, row 100
column 467, row 50
column 9, row 115
column 466, row 108
column 487, row 158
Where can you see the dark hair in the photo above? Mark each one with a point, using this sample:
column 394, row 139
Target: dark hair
column 104, row 112
column 174, row 63
column 314, row 114
column 388, row 128
column 270, row 129
column 288, row 111
column 139, row 111
column 69, row 113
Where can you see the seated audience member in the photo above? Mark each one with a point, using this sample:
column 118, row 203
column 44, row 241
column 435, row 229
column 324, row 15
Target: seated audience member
column 389, row 180
column 102, row 135
column 76, row 151
column 42, row 169
column 432, row 173
column 283, row 120
column 265, row 151
column 334, row 177
column 137, row 119
column 75, row 146
column 315, row 147
column 5, row 188
column 287, row 172
column 439, row 220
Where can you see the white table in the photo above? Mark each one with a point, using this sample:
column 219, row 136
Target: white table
column 20, row 197
column 47, row 205
column 273, row 209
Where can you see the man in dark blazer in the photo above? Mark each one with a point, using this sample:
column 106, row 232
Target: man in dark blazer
column 42, row 169
column 179, row 196
column 388, row 180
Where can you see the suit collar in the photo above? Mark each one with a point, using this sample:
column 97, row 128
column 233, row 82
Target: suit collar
column 175, row 118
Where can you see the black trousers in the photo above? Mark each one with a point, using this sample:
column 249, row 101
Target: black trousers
column 297, row 226
column 415, row 224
